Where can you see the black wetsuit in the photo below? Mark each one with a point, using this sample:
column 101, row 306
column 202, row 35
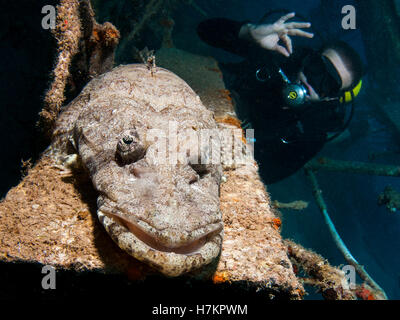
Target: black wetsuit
column 286, row 138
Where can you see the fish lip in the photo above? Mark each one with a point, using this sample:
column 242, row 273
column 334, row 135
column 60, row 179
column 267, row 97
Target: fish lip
column 170, row 264
column 187, row 248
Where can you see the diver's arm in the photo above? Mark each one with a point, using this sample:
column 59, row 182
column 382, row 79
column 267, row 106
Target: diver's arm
column 267, row 36
column 240, row 37
column 224, row 34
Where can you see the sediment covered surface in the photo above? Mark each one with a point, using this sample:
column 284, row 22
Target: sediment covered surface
column 50, row 217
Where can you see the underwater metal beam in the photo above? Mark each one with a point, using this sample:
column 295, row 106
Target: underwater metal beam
column 353, row 167
column 336, row 237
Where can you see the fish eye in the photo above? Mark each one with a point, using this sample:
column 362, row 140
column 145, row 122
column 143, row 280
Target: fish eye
column 127, row 139
column 129, row 147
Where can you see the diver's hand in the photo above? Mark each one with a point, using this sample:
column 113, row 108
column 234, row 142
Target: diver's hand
column 268, row 35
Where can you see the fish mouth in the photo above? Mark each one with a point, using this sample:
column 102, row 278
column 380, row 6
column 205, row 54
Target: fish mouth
column 179, row 247
column 170, row 258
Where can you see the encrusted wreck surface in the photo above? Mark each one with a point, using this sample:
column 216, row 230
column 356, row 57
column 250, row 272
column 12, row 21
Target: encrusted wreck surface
column 50, row 217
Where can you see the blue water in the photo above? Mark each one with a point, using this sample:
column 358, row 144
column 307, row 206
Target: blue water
column 370, row 231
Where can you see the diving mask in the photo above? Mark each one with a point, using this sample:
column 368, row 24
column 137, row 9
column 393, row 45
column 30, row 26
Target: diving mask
column 322, row 75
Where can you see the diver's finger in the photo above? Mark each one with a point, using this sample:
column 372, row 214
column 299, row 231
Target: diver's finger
column 286, row 17
column 300, row 33
column 297, row 25
column 282, row 50
column 288, row 42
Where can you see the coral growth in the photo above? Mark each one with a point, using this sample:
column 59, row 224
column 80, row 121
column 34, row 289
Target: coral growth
column 330, row 281
column 67, row 33
column 276, row 223
column 96, row 48
column 230, row 120
column 221, row 277
column 365, row 292
column 101, row 48
column 226, row 94
column 85, row 50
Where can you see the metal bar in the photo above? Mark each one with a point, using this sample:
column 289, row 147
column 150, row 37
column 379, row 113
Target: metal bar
column 336, row 237
column 353, row 167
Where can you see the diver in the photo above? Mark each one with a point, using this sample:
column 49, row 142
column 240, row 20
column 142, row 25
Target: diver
column 296, row 99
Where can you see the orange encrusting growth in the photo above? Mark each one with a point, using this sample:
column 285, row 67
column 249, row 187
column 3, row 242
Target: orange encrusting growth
column 105, row 33
column 220, row 277
column 276, row 223
column 230, row 120
column 300, row 292
column 225, row 94
column 364, row 294
column 234, row 122
column 111, row 34
column 95, row 35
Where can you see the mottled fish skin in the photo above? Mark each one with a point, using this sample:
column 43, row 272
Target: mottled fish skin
column 166, row 215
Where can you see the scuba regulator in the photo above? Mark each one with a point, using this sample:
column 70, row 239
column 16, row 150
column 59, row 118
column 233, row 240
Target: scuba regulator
column 293, row 94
